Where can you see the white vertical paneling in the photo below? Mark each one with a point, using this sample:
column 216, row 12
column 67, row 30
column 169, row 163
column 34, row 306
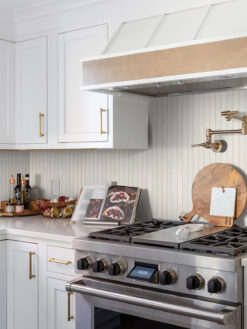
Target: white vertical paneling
column 166, row 169
column 11, row 162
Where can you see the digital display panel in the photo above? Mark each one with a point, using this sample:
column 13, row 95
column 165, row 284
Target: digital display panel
column 142, row 272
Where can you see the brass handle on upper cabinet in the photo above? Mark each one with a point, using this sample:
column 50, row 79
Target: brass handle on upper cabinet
column 41, row 115
column 101, row 122
column 70, row 317
column 64, row 262
column 31, row 275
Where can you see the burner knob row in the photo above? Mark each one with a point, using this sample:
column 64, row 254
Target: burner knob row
column 101, row 265
column 215, row 285
column 195, row 281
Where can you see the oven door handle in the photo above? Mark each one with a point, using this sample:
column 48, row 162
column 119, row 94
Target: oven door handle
column 224, row 316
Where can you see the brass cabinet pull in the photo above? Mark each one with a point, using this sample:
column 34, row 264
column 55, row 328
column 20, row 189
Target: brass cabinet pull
column 101, row 122
column 41, row 115
column 70, row 317
column 54, row 260
column 31, row 275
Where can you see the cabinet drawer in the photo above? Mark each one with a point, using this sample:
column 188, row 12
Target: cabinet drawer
column 60, row 260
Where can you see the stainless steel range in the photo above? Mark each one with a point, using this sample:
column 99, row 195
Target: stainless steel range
column 152, row 275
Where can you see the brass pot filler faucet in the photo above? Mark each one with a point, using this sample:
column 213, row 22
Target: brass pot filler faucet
column 218, row 145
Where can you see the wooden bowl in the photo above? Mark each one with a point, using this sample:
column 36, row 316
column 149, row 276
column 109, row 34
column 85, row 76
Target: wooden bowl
column 48, row 204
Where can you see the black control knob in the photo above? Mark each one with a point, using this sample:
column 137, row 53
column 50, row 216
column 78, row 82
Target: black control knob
column 116, row 268
column 100, row 265
column 216, row 284
column 168, row 277
column 194, row 281
column 84, row 263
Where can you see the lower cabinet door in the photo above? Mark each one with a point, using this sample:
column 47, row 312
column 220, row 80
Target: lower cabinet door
column 61, row 306
column 22, row 285
column 3, row 288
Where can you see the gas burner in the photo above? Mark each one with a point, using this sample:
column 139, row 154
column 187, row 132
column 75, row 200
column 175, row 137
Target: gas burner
column 127, row 232
column 232, row 242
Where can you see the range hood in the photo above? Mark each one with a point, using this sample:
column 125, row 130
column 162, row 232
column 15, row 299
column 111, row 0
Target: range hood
column 203, row 48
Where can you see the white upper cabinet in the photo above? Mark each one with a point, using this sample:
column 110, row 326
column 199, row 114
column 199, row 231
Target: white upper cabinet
column 31, row 91
column 76, row 119
column 80, row 115
column 7, row 119
column 95, row 120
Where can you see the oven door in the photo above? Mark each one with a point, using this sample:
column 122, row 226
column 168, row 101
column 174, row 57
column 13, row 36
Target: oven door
column 102, row 304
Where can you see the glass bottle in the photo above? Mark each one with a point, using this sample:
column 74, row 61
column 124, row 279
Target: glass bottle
column 23, row 196
column 18, row 188
column 28, row 192
column 12, row 198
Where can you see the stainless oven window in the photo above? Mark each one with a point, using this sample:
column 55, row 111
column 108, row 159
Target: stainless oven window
column 106, row 319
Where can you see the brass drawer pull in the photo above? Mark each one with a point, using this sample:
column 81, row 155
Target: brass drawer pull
column 101, row 122
column 54, row 260
column 70, row 317
column 41, row 115
column 31, row 275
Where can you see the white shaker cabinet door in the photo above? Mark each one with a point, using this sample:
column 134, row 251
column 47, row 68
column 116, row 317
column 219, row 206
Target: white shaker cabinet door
column 22, row 285
column 31, row 91
column 3, row 285
column 80, row 116
column 61, row 306
column 7, row 74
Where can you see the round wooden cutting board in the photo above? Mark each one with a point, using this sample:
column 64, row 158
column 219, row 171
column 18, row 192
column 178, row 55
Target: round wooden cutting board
column 216, row 175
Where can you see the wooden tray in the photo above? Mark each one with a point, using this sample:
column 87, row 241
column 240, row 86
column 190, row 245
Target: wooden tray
column 216, row 175
column 27, row 212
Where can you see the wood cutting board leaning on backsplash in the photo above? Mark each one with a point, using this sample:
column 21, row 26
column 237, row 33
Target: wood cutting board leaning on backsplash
column 216, row 175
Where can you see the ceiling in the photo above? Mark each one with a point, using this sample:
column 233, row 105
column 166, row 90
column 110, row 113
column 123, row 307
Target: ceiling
column 17, row 5
column 20, row 4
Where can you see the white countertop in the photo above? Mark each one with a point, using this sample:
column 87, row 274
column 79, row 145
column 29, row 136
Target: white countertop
column 39, row 227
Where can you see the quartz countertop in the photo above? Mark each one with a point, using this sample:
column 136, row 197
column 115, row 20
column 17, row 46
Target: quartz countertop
column 39, row 227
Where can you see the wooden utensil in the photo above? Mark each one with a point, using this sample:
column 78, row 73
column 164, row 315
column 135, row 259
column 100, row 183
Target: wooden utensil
column 216, row 175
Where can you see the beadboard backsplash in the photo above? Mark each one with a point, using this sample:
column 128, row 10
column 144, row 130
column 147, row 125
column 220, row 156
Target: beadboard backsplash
column 11, row 162
column 165, row 171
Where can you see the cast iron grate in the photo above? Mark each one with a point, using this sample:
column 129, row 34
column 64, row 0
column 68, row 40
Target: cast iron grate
column 232, row 241
column 125, row 233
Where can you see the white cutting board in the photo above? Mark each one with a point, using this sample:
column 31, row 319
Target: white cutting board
column 223, row 201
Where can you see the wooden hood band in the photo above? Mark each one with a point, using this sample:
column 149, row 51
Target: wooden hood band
column 212, row 56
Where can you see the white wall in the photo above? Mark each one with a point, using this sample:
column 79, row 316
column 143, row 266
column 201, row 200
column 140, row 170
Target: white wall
column 167, row 168
column 6, row 25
